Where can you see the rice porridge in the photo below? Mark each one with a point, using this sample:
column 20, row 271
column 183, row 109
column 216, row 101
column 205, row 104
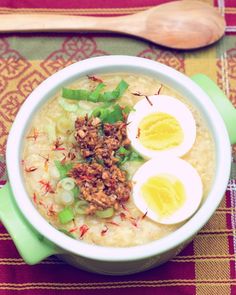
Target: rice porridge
column 78, row 161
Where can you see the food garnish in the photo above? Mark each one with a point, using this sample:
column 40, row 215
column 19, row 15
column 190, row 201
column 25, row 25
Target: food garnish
column 63, row 168
column 96, row 95
column 87, row 179
column 94, row 78
column 106, row 213
column 137, row 93
column 46, row 186
column 90, row 175
column 66, row 215
column 46, row 161
column 35, row 198
column 83, row 229
column 57, row 146
column 159, row 90
column 104, row 231
column 34, row 136
column 102, row 187
column 149, row 101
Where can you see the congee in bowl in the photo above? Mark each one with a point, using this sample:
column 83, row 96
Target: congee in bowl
column 100, row 160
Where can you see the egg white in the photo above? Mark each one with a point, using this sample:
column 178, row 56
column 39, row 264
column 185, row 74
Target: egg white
column 184, row 172
column 165, row 104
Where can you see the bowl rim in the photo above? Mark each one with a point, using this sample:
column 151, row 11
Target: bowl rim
column 102, row 253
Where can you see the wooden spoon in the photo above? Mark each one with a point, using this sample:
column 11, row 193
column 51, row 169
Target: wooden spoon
column 181, row 24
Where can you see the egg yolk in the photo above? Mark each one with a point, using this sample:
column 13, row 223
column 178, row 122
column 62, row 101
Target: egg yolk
column 164, row 194
column 160, row 131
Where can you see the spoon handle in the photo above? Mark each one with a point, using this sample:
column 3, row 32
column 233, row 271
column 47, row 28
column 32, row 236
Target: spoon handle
column 59, row 23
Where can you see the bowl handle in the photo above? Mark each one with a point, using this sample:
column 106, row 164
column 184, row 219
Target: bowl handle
column 32, row 246
column 222, row 103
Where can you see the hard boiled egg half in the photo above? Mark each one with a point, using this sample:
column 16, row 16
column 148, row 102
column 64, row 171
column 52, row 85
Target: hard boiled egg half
column 161, row 124
column 167, row 189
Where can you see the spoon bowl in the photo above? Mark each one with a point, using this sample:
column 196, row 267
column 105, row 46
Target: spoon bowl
column 179, row 24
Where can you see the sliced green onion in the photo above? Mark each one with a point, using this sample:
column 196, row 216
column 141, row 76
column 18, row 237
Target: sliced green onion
column 131, row 168
column 76, row 191
column 123, row 160
column 67, row 183
column 63, row 169
column 53, row 172
column 107, row 104
column 121, row 87
column 104, row 114
column 64, row 124
column 75, row 94
column 80, row 207
column 123, row 151
column 66, row 215
column 128, row 109
column 106, row 213
column 87, row 105
column 134, row 156
column 66, row 197
column 68, row 106
column 117, row 93
column 96, row 112
column 96, row 95
column 100, row 112
column 114, row 116
column 125, row 155
column 108, row 115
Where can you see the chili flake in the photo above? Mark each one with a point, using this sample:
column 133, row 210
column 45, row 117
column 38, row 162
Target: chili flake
column 35, row 198
column 46, row 186
column 122, row 216
column 144, row 215
column 104, row 231
column 95, row 79
column 58, row 145
column 46, row 162
column 159, row 90
column 34, row 136
column 149, row 101
column 51, row 211
column 73, row 229
column 83, row 229
column 113, row 223
column 138, row 134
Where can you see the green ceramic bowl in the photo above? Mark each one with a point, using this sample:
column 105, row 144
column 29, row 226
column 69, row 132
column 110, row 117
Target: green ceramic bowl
column 36, row 239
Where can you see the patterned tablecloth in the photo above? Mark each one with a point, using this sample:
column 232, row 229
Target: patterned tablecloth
column 207, row 265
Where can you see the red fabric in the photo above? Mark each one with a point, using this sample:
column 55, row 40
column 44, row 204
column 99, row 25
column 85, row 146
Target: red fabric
column 58, row 275
column 228, row 8
column 79, row 4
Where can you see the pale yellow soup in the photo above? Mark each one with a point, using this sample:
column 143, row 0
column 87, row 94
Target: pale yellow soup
column 39, row 156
